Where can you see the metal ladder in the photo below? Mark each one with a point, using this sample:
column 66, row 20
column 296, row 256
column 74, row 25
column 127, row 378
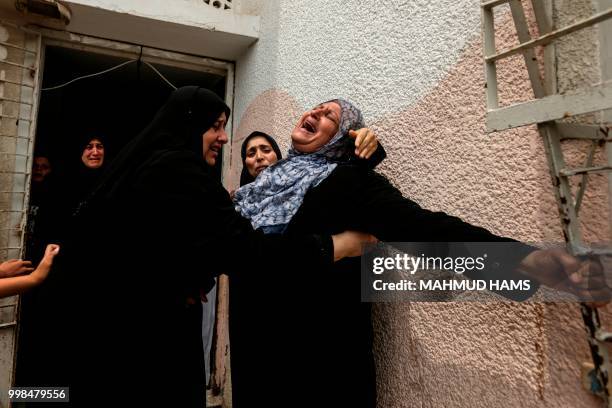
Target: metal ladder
column 545, row 110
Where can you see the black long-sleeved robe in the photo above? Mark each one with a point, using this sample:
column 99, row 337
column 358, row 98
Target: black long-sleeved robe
column 126, row 333
column 306, row 340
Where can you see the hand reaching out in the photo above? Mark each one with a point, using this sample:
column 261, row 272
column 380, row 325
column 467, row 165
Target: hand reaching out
column 350, row 243
column 366, row 142
column 559, row 270
column 15, row 267
column 14, row 285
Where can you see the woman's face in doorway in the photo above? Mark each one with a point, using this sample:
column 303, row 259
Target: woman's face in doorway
column 316, row 127
column 93, row 154
column 214, row 139
column 259, row 155
column 41, row 169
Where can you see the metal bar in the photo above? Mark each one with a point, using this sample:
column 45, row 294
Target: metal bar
column 563, row 190
column 531, row 61
column 547, row 38
column 571, row 230
column 584, row 170
column 550, row 108
column 14, row 64
column 15, row 154
column 488, row 32
column 585, row 176
column 8, row 305
column 15, row 136
column 9, row 324
column 15, row 117
column 542, row 10
column 492, row 3
column 579, row 131
column 218, row 366
column 14, row 172
column 15, row 101
column 578, row 251
column 16, row 47
column 32, row 132
column 154, row 59
column 229, row 100
column 603, row 335
column 599, row 351
column 15, row 83
column 543, row 20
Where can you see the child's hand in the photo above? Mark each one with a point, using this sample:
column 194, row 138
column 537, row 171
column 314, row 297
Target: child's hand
column 51, row 251
column 14, row 267
column 41, row 272
column 14, row 285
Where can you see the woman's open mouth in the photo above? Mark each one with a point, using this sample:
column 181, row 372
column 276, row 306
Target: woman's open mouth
column 215, row 149
column 309, row 126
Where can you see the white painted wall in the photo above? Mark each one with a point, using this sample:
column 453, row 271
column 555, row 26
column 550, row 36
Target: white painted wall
column 189, row 26
column 378, row 53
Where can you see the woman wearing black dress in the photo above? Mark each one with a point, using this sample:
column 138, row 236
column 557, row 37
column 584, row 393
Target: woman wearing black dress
column 313, row 346
column 153, row 233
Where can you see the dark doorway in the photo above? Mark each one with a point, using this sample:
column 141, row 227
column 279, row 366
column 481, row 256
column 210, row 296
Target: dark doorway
column 119, row 103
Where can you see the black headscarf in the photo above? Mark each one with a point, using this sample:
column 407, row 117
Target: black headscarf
column 178, row 125
column 245, row 176
column 82, row 178
column 75, row 180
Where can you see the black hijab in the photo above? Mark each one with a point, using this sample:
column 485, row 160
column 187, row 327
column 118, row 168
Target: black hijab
column 245, row 176
column 84, row 178
column 178, row 125
column 77, row 180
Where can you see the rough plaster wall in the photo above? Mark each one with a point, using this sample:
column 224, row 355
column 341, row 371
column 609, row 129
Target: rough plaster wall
column 341, row 44
column 431, row 120
column 577, row 54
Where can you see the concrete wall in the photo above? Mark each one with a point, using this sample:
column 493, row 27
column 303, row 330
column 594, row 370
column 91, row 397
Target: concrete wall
column 415, row 68
column 188, row 26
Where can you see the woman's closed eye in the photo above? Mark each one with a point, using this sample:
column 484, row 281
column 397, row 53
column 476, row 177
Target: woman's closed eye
column 218, row 125
column 332, row 116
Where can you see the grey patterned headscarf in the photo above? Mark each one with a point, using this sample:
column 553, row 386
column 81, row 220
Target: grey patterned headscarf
column 277, row 193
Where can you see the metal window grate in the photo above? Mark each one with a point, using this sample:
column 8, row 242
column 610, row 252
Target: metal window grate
column 18, row 108
column 19, row 68
column 544, row 111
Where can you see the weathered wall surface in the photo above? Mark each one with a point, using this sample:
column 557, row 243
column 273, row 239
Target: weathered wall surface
column 415, row 69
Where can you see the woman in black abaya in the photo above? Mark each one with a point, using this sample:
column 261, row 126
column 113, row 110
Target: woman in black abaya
column 155, row 231
column 87, row 163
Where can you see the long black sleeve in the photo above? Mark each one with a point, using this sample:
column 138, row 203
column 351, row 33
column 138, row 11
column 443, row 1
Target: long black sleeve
column 398, row 219
column 193, row 211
